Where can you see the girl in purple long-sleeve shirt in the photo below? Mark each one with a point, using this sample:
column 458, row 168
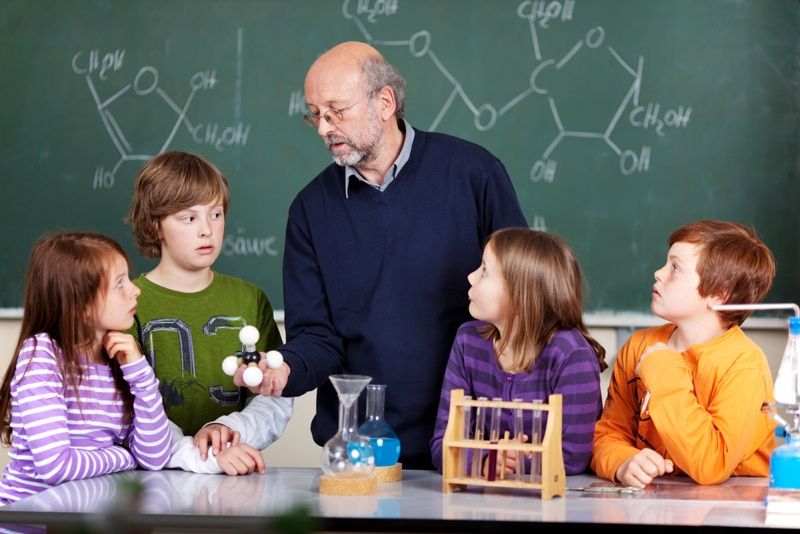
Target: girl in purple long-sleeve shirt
column 78, row 399
column 528, row 342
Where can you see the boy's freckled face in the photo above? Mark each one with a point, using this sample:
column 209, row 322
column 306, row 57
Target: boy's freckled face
column 675, row 296
column 191, row 239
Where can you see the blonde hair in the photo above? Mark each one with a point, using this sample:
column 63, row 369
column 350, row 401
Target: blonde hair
column 544, row 284
column 167, row 184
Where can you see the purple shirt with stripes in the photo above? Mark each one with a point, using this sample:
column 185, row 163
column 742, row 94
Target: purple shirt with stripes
column 57, row 437
column 567, row 365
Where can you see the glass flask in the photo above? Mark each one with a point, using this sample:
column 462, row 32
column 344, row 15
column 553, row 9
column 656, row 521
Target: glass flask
column 787, row 381
column 348, row 453
column 384, row 440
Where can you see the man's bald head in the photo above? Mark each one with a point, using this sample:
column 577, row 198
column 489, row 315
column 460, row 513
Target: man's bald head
column 347, row 55
column 354, row 63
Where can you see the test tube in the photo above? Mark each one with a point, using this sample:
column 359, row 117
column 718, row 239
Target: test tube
column 503, row 454
column 494, row 438
column 536, row 439
column 519, row 435
column 477, row 455
column 467, row 426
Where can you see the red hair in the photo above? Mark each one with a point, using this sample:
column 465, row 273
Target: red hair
column 733, row 263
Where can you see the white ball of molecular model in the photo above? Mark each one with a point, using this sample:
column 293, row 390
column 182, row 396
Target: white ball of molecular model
column 252, row 376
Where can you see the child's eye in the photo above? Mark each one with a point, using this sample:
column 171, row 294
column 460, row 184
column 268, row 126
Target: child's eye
column 188, row 218
column 216, row 215
column 675, row 267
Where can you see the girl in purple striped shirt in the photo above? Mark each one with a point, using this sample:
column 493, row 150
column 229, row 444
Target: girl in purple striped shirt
column 78, row 399
column 528, row 341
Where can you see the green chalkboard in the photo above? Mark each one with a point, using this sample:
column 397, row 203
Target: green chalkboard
column 617, row 120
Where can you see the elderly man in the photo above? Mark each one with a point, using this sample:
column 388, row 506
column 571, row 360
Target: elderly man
column 378, row 248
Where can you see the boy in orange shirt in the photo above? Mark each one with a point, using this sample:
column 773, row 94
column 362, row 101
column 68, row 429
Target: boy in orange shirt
column 686, row 397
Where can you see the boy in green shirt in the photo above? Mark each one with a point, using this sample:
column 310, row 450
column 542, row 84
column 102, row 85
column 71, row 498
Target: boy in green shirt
column 188, row 316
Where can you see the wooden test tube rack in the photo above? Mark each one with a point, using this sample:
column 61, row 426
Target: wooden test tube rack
column 456, row 445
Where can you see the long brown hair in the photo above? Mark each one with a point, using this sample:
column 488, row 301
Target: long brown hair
column 544, row 284
column 67, row 273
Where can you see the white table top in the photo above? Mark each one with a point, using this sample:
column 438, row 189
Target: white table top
column 417, row 503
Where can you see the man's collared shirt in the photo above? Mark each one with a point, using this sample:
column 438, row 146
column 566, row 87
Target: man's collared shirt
column 394, row 170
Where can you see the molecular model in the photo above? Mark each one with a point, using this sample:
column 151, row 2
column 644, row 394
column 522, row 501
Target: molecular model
column 252, row 376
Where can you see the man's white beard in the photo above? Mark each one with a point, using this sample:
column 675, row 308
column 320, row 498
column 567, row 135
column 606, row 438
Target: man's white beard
column 359, row 153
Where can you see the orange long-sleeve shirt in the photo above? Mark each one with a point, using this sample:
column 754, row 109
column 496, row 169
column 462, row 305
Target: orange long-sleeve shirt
column 703, row 413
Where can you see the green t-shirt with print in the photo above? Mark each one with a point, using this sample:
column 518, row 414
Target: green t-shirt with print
column 185, row 337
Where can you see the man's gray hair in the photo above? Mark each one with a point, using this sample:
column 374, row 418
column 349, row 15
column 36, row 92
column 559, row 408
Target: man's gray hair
column 378, row 73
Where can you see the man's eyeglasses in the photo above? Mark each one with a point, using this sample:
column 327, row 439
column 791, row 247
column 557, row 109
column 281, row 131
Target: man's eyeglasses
column 332, row 116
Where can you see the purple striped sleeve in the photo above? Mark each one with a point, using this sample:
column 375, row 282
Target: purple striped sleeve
column 149, row 439
column 455, row 377
column 42, row 410
column 577, row 379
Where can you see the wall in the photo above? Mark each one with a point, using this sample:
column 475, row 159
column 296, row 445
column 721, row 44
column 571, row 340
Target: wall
column 297, row 449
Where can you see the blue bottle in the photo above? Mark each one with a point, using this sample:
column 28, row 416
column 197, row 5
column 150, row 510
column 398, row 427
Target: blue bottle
column 384, row 440
column 784, row 463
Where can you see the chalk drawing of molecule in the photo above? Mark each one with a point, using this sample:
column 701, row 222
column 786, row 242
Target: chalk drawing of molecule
column 96, row 68
column 538, row 14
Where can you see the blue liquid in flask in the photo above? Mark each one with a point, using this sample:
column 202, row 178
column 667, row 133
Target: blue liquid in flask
column 384, row 440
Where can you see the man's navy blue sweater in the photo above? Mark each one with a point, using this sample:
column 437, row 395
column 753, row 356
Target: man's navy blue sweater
column 376, row 284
